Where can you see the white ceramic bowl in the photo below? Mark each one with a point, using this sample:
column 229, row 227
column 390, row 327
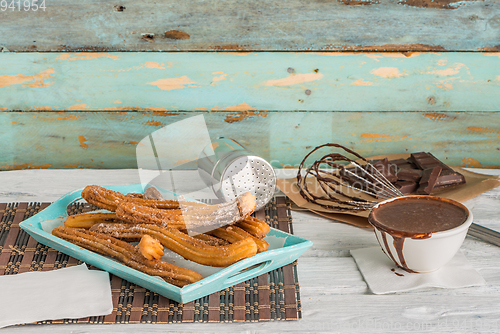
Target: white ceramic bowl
column 427, row 254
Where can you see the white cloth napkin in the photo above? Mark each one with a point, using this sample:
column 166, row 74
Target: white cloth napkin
column 67, row 293
column 383, row 276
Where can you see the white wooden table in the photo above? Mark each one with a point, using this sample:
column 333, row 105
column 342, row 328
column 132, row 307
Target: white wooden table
column 334, row 296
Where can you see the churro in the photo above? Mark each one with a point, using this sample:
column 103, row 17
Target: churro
column 191, row 215
column 188, row 247
column 139, row 214
column 128, row 254
column 109, row 199
column 86, row 220
column 150, row 248
column 234, row 234
column 211, row 240
column 256, row 227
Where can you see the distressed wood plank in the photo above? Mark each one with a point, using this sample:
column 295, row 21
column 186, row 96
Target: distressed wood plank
column 214, row 25
column 250, row 81
column 109, row 139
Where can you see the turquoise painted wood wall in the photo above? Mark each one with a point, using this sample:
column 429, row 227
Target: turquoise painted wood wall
column 81, row 83
column 108, row 139
column 251, row 81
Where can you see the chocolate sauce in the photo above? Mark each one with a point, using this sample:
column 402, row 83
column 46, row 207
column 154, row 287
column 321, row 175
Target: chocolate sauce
column 394, row 271
column 398, row 245
column 418, row 216
column 415, row 217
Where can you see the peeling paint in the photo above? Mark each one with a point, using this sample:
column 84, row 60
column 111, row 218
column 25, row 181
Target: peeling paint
column 243, row 116
column 440, row 4
column 136, row 108
column 82, row 106
column 481, row 129
column 165, row 113
column 83, row 142
column 405, row 49
column 470, row 162
column 151, row 64
column 433, row 116
column 445, row 84
column 172, row 83
column 361, row 82
column 336, row 54
column 236, row 53
column 156, row 109
column 492, row 54
column 44, row 108
column 401, row 54
column 239, row 107
column 86, row 56
column 359, row 2
column 38, row 80
column 68, row 118
column 386, row 72
column 26, row 166
column 294, row 79
column 124, row 108
column 222, row 76
column 375, row 137
column 154, row 123
column 234, row 47
column 448, row 71
column 373, row 56
column 132, row 142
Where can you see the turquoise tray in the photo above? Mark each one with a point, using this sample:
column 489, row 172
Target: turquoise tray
column 287, row 251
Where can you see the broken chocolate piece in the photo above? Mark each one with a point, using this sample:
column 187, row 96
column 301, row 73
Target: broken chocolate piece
column 449, row 180
column 424, row 160
column 428, row 180
column 386, row 169
column 407, row 171
column 406, row 187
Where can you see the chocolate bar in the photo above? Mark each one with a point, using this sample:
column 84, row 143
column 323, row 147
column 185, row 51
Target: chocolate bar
column 428, row 180
column 447, row 177
column 421, row 173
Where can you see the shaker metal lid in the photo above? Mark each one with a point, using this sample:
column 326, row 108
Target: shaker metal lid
column 248, row 173
column 231, row 170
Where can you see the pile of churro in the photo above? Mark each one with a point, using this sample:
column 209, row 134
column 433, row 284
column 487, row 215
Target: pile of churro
column 155, row 224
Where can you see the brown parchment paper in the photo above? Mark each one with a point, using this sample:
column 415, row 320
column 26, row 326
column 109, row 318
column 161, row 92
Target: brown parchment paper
column 475, row 185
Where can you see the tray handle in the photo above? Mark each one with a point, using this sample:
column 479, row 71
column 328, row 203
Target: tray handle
column 247, row 273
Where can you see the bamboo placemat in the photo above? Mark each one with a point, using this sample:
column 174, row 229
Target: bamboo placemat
column 268, row 297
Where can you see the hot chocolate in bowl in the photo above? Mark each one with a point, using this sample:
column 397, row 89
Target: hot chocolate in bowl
column 420, row 233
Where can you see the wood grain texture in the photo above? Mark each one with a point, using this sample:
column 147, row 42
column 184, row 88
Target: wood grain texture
column 265, row 25
column 109, row 139
column 250, row 81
